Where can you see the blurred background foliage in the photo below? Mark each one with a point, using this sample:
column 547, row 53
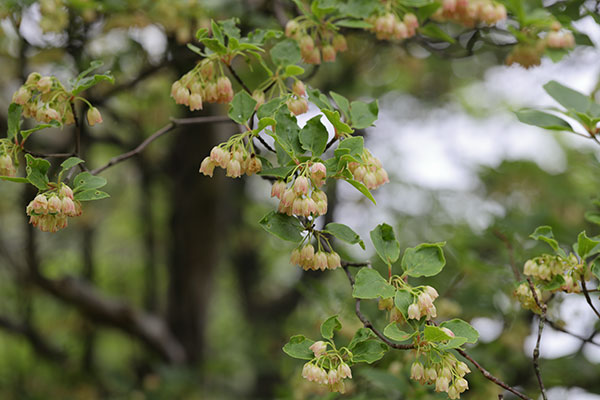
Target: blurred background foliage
column 176, row 244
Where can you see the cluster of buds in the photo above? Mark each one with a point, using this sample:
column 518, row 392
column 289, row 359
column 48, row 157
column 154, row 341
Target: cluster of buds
column 470, row 12
column 447, row 375
column 202, row 84
column 546, row 267
column 236, row 160
column 308, row 259
column 527, row 54
column 525, row 297
column 327, row 49
column 297, row 103
column 326, row 369
column 44, row 99
column 303, row 196
column 391, row 27
column 560, row 39
column 55, row 16
column 423, row 307
column 49, row 211
column 370, row 172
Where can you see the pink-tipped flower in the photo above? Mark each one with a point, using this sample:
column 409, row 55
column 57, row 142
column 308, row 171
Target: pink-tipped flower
column 430, row 374
column 174, row 88
column 333, row 260
column 44, row 84
column 78, row 210
column 292, row 29
column 68, row 207
column 211, row 94
column 307, row 253
column 54, row 205
column 339, row 43
column 318, row 173
column 307, row 45
column 328, row 53
column 39, row 204
column 7, row 167
column 288, row 197
column 370, row 180
column 219, row 156
column 21, row 96
column 425, row 301
column 182, row 96
column 278, row 189
column 332, row 377
column 411, row 21
column 301, row 185
column 224, row 89
column 93, row 116
column 431, row 292
column 207, row 166
column 65, row 191
column 314, row 57
column 441, row 384
column 417, row 371
column 195, row 102
column 359, row 173
column 298, row 206
column 320, row 260
column 448, row 332
column 50, row 114
column 309, row 207
column 401, row 31
column 299, row 89
column 297, row 106
column 234, row 169
column 207, row 70
column 344, row 371
column 449, row 5
column 295, row 257
column 318, row 348
column 321, row 207
column 414, row 312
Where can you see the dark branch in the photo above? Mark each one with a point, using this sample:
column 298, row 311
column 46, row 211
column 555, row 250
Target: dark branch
column 536, row 350
column 238, row 79
column 36, row 340
column 587, row 296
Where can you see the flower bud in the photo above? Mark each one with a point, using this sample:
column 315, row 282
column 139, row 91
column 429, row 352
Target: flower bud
column 207, row 166
column 44, row 84
column 318, row 348
column 333, row 260
column 234, row 169
column 332, row 377
column 430, row 374
column 68, row 207
column 448, row 332
column 21, row 96
column 461, row 385
column 339, row 43
column 385, row 304
column 54, row 205
column 195, row 102
column 292, row 29
column 93, row 116
column 411, row 21
column 414, row 312
column 308, row 252
column 328, row 53
column 314, row 57
column 297, row 106
column 7, row 167
column 441, row 384
column 307, row 45
column 301, row 185
column 299, row 89
column 320, row 260
column 207, row 70
column 416, row 371
column 224, row 89
column 344, row 371
column 34, row 77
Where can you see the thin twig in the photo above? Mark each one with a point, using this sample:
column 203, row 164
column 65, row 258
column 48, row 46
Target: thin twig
column 587, row 296
column 48, row 155
column 237, row 78
column 584, row 339
column 536, row 350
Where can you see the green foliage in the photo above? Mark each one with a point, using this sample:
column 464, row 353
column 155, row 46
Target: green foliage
column 424, row 260
column 329, row 326
column 241, row 108
column 369, row 284
column 298, row 347
column 386, row 245
column 283, row 226
column 344, row 232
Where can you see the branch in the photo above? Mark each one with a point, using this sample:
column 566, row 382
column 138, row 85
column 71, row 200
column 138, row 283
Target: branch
column 511, row 253
column 536, row 350
column 584, row 339
column 36, row 341
column 162, row 131
column 237, row 78
column 587, row 296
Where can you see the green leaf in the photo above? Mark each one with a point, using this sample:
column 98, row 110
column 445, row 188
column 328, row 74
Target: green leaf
column 298, row 347
column 402, row 300
column 330, row 325
column 354, row 23
column 95, row 64
column 585, row 246
column 369, row 284
column 336, row 120
column 286, row 52
column 434, row 334
column 71, row 162
column 90, row 81
column 385, row 243
column 361, row 335
column 544, row 233
column 353, row 146
column 369, row 351
column 596, row 268
column 269, row 108
column 85, row 181
column 453, row 343
column 241, row 107
column 461, row 328
column 288, row 131
column 361, row 188
column 37, row 168
column 283, row 226
column 319, row 99
column 342, row 102
column 556, row 282
column 264, row 122
column 15, row 179
column 14, row 120
column 567, row 97
column 293, row 70
column 344, row 232
column 434, row 31
column 363, row 115
column 279, row 172
column 313, row 136
column 90, row 194
column 593, row 217
column 52, row 124
column 415, row 3
column 426, row 259
column 543, row 120
column 393, row 332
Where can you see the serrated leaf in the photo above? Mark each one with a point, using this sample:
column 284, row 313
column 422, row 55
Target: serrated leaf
column 336, row 120
column 241, row 107
column 268, row 109
column 369, row 284
column 426, row 259
column 287, row 131
column 14, row 120
column 298, row 347
column 85, row 181
column 461, row 328
column 543, row 120
column 329, row 326
column 393, row 332
column 353, row 146
column 344, row 232
column 402, row 300
column 90, row 194
column 71, row 162
column 363, row 115
column 319, row 99
column 286, row 52
column 313, row 136
column 361, row 188
column 586, row 247
column 37, row 168
column 283, row 226
column 386, row 245
column 361, row 335
column 545, row 234
column 369, row 351
column 434, row 334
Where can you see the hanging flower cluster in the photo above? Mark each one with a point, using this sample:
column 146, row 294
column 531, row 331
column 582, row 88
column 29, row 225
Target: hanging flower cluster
column 297, row 103
column 49, row 211
column 202, row 84
column 327, row 367
column 328, row 43
column 234, row 157
column 447, row 374
column 547, row 268
column 391, row 27
column 306, row 257
column 303, row 197
column 525, row 297
column 369, row 171
column 470, row 12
